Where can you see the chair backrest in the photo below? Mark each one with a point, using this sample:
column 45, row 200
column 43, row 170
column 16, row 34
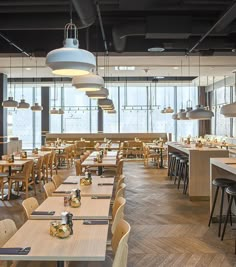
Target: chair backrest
column 78, row 167
column 57, row 180
column 117, row 212
column 46, row 159
column 49, row 188
column 39, row 163
column 121, row 235
column 52, row 157
column 120, row 165
column 30, row 204
column 7, row 230
column 121, row 191
column 27, row 169
column 120, row 181
column 121, row 257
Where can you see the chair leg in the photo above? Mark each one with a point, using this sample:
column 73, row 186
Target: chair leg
column 227, row 216
column 9, row 189
column 26, row 190
column 221, row 210
column 213, row 206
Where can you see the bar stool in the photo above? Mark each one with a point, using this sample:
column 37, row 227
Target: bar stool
column 220, row 183
column 182, row 170
column 172, row 164
column 186, row 178
column 231, row 191
column 169, row 162
column 177, row 167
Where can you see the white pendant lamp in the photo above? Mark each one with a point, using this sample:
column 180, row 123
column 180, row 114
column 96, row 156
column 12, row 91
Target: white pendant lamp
column 60, row 111
column 36, row 107
column 54, row 111
column 229, row 110
column 175, row 116
column 89, row 82
column 200, row 113
column 103, row 103
column 101, row 94
column 70, row 60
column 111, row 111
column 22, row 104
column 169, row 110
column 10, row 102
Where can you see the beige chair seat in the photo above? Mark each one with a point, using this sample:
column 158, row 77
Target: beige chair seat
column 107, row 263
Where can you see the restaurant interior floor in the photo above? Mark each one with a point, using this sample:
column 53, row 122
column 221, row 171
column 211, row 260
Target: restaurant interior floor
column 167, row 228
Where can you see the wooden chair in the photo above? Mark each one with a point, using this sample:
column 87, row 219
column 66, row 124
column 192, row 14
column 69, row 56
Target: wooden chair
column 78, row 167
column 7, row 230
column 57, row 180
column 120, row 191
column 117, row 212
column 38, row 170
column 24, row 177
column 46, row 159
column 3, row 181
column 49, row 188
column 29, row 205
column 52, row 163
column 64, row 157
column 147, row 154
column 119, row 247
column 119, row 182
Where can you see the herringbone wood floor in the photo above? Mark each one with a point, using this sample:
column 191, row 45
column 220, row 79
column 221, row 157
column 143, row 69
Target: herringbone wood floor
column 167, row 229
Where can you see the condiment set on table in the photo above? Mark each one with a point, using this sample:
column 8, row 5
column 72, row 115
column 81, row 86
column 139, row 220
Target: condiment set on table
column 87, row 180
column 64, row 228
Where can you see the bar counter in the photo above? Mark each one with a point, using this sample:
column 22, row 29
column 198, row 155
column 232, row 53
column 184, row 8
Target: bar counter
column 199, row 167
column 221, row 168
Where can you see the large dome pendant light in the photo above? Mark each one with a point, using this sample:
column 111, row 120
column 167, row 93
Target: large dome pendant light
column 201, row 112
column 36, row 107
column 229, row 110
column 22, row 104
column 70, row 60
column 10, row 102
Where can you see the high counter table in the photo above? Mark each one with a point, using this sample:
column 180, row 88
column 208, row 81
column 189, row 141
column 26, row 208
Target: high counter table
column 226, row 168
column 199, row 167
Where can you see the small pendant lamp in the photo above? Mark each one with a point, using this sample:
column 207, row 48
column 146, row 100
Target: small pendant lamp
column 22, row 104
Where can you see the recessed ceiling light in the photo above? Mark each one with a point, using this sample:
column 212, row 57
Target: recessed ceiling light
column 175, row 68
column 124, row 67
column 159, row 77
column 156, row 49
column 28, row 68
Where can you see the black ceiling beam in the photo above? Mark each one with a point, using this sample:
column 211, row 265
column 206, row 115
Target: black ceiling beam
column 221, row 22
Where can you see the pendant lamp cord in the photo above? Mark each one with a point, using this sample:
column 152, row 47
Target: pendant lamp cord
column 22, row 85
column 199, row 76
column 36, row 80
column 235, row 86
column 181, row 70
column 225, row 89
column 71, row 11
column 10, row 93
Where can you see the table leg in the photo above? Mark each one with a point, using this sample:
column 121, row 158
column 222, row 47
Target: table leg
column 100, row 170
column 161, row 156
column 60, row 264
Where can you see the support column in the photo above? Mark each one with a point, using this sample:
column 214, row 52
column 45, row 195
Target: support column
column 205, row 125
column 100, row 120
column 3, row 114
column 45, row 113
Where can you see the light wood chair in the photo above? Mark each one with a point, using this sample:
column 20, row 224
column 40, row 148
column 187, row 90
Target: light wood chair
column 148, row 154
column 117, row 212
column 120, row 181
column 38, row 170
column 49, row 188
column 64, row 157
column 29, row 205
column 119, row 247
column 25, row 177
column 57, row 180
column 46, row 159
column 78, row 167
column 3, row 181
column 52, row 163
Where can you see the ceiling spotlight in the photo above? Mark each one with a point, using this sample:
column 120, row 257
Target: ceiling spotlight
column 156, row 49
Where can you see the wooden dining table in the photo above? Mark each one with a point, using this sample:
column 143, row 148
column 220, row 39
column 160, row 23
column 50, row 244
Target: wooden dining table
column 107, row 161
column 90, row 209
column 88, row 243
column 99, row 187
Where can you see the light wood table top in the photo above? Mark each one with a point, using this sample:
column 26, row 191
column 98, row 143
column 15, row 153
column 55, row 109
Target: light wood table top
column 227, row 164
column 88, row 243
column 110, row 154
column 114, row 146
column 15, row 163
column 89, row 209
column 87, row 190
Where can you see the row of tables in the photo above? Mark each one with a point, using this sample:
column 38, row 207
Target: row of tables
column 88, row 242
